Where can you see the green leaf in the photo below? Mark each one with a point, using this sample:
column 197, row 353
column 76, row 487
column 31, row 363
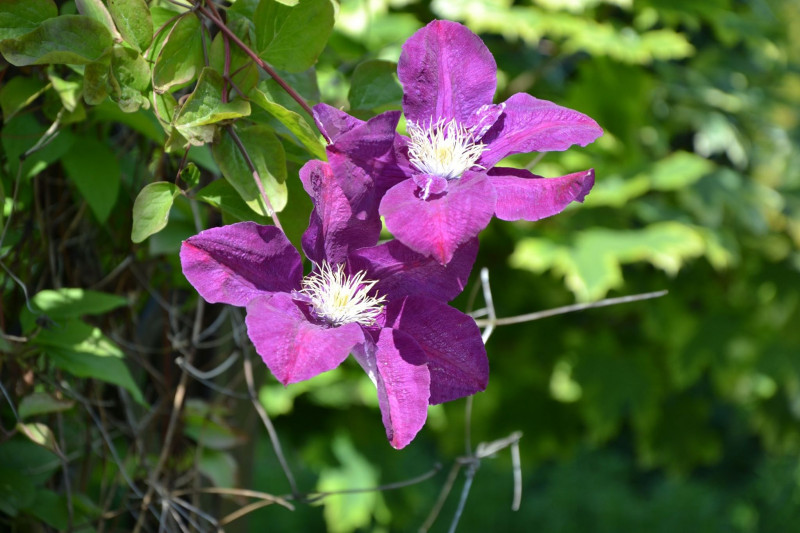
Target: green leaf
column 96, row 9
column 68, row 39
column 221, row 194
column 16, row 490
column 74, row 302
column 218, row 466
column 130, row 78
column 190, row 174
column 95, row 81
column 18, row 17
column 374, row 84
column 180, row 56
column 266, row 153
column 133, row 21
column 42, row 403
column 95, row 170
column 39, row 433
column 22, row 133
column 51, row 508
column 291, row 38
column 242, row 69
column 349, row 511
column 69, row 91
column 18, row 93
column 294, row 122
column 204, row 108
column 151, row 209
column 83, row 351
column 678, row 170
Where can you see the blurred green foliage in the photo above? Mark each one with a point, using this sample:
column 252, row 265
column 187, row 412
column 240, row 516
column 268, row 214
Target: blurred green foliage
column 676, row 413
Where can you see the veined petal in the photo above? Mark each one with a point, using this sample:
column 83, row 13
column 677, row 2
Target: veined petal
column 525, row 196
column 234, row 264
column 438, row 225
column 532, row 125
column 401, row 271
column 338, row 223
column 447, row 73
column 451, row 342
column 396, row 365
column 293, row 347
column 334, row 122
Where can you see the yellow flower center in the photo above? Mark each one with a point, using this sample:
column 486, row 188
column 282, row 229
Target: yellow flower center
column 444, row 149
column 340, row 299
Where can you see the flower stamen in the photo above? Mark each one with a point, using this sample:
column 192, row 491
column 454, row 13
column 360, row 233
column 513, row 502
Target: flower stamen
column 340, row 299
column 444, row 149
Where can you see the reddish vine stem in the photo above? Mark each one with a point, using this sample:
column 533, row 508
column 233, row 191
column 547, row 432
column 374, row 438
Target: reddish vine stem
column 212, row 14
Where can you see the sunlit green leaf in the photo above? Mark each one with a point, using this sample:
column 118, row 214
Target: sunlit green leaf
column 98, row 11
column 84, row 351
column 294, row 122
column 221, row 194
column 130, row 79
column 374, row 84
column 133, row 21
column 180, row 57
column 75, row 302
column 291, row 38
column 204, row 109
column 38, row 433
column 151, row 209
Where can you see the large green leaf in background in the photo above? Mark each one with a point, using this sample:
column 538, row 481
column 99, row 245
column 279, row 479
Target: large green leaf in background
column 291, row 38
column 95, row 170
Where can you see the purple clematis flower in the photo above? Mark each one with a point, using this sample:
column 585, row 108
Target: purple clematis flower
column 384, row 304
column 442, row 185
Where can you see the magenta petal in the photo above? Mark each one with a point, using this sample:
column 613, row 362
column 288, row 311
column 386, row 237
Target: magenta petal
column 396, row 364
column 452, row 344
column 447, row 72
column 525, row 196
column 429, row 184
column 334, row 122
column 234, row 264
column 294, row 348
column 439, row 225
column 532, row 125
column 401, row 272
column 338, row 224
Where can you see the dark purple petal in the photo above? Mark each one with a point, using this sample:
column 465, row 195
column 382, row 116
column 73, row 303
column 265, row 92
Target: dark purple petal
column 439, row 225
column 532, row 125
column 401, row 272
column 452, row 344
column 234, row 264
column 396, row 364
column 525, row 196
column 374, row 149
column 447, row 72
column 294, row 348
column 334, row 122
column 337, row 224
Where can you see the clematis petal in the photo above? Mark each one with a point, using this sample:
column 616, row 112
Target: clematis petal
column 438, row 225
column 452, row 344
column 532, row 125
column 525, row 196
column 293, row 347
column 234, row 264
column 401, row 271
column 334, row 122
column 337, row 224
column 447, row 73
column 396, row 365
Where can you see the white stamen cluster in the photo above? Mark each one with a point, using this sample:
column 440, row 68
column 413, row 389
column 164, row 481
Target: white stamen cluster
column 444, row 149
column 340, row 299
